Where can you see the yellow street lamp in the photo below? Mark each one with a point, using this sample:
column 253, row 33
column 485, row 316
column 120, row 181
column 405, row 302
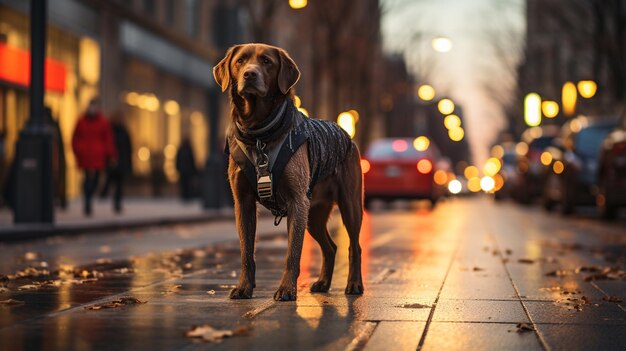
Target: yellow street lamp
column 442, row 44
column 569, row 96
column 297, row 4
column 426, row 92
column 445, row 106
column 532, row 109
column 452, row 121
column 456, row 134
column 347, row 121
column 421, row 143
column 550, row 109
column 587, row 88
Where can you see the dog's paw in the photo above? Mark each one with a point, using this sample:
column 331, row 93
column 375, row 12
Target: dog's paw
column 320, row 286
column 239, row 293
column 354, row 288
column 285, row 293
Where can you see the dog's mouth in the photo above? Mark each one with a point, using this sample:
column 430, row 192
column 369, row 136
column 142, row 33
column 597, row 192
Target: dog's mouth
column 252, row 88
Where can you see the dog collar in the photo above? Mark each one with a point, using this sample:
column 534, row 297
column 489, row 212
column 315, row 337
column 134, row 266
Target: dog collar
column 266, row 132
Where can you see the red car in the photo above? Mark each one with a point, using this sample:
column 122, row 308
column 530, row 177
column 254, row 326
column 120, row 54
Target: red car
column 395, row 169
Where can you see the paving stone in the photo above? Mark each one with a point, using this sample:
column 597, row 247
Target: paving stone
column 489, row 311
column 478, row 336
column 582, row 337
column 605, row 313
column 399, row 336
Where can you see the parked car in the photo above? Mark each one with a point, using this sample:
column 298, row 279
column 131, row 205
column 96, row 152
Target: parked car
column 394, row 169
column 529, row 183
column 572, row 163
column 612, row 172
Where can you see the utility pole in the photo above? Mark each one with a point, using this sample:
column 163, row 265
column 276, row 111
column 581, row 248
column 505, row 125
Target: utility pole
column 33, row 178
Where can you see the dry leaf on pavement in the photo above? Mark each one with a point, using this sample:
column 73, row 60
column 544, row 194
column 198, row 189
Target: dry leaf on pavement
column 11, row 302
column 209, row 334
column 116, row 303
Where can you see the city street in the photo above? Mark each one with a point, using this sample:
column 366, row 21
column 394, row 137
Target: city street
column 472, row 274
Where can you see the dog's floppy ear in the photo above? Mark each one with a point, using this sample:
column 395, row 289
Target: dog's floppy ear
column 288, row 74
column 221, row 71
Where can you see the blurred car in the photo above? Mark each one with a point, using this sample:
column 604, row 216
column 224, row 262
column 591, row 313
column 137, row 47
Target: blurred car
column 529, row 182
column 572, row 163
column 612, row 172
column 394, row 169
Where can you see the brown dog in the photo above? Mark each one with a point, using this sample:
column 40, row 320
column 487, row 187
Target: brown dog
column 296, row 166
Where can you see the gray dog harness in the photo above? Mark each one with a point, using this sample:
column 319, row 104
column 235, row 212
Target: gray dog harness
column 328, row 146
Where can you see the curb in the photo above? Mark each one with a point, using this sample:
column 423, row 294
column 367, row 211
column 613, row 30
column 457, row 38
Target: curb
column 21, row 232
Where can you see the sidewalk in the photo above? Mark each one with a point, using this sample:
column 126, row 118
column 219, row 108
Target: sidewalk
column 137, row 212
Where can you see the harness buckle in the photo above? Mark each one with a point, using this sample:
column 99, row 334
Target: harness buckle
column 264, row 187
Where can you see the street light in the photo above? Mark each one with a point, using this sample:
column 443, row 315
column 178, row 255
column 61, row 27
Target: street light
column 445, row 106
column 550, row 108
column 442, row 44
column 297, row 4
column 452, row 121
column 587, row 88
column 347, row 121
column 532, row 109
column 421, row 143
column 569, row 96
column 426, row 92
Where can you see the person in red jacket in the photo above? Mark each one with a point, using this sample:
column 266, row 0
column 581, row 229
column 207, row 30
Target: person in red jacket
column 94, row 148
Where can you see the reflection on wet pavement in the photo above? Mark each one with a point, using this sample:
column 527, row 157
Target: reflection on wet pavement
column 463, row 274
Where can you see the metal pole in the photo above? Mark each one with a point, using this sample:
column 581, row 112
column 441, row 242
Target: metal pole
column 33, row 192
column 37, row 67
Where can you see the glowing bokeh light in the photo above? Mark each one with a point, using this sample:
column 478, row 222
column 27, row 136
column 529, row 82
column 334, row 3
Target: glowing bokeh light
column 421, row 143
column 455, row 186
column 426, row 92
column 445, row 106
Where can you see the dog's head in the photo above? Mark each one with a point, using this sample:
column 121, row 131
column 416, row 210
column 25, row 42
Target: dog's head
column 257, row 70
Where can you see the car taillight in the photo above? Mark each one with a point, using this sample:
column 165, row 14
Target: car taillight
column 424, row 166
column 365, row 166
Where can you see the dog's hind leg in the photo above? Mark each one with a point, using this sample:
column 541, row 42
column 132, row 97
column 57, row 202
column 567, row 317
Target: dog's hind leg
column 318, row 218
column 350, row 202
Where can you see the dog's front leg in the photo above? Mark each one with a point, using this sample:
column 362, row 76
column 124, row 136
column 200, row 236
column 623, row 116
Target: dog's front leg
column 245, row 217
column 297, row 218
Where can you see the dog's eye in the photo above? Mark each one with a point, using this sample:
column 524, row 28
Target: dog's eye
column 266, row 61
column 240, row 60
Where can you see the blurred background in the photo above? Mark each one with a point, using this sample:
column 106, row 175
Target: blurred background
column 494, row 94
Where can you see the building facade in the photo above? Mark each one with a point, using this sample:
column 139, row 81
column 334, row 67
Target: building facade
column 148, row 60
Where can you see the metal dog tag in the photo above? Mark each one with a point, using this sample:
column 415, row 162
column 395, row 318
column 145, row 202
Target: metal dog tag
column 264, row 187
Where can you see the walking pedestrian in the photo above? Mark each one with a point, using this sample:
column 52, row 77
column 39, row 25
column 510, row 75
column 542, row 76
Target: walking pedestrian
column 93, row 146
column 186, row 167
column 117, row 172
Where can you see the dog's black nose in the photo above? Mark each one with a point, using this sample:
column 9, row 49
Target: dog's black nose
column 250, row 74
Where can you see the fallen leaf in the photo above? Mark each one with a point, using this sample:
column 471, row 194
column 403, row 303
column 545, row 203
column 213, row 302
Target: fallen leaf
column 11, row 302
column 28, row 287
column 558, row 273
column 116, row 303
column 523, row 328
column 477, row 269
column 104, row 260
column 526, row 260
column 211, row 292
column 210, row 334
column 508, row 251
column 612, row 298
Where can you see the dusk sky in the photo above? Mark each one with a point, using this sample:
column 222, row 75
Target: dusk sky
column 478, row 29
